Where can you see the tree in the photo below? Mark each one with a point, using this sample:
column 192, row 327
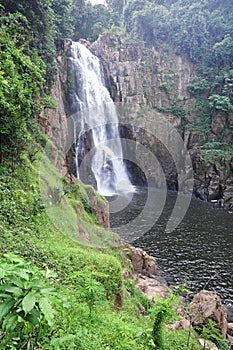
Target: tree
column 90, row 21
column 40, row 17
column 116, row 5
column 63, row 20
column 21, row 80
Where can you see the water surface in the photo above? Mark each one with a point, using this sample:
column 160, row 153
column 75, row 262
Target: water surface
column 199, row 251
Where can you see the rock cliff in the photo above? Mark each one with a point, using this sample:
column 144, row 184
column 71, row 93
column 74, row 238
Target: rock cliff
column 143, row 78
column 149, row 87
column 53, row 121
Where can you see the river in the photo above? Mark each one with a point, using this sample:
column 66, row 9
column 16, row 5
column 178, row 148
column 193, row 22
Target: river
column 198, row 252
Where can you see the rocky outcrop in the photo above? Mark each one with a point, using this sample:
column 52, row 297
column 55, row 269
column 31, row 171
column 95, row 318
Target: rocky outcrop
column 142, row 268
column 142, row 263
column 143, row 77
column 140, row 75
column 144, row 82
column 230, row 334
column 100, row 208
column 214, row 180
column 53, row 120
column 207, row 305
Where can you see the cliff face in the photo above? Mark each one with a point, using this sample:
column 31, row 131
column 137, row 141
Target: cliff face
column 141, row 77
column 151, row 91
column 56, row 124
column 54, row 121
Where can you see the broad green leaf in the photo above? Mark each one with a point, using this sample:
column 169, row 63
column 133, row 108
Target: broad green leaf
column 36, row 283
column 2, row 273
column 48, row 291
column 10, row 322
column 17, row 282
column 34, row 317
column 11, row 289
column 47, row 310
column 24, row 274
column 28, row 302
column 5, row 308
column 14, row 258
column 4, row 296
column 58, row 301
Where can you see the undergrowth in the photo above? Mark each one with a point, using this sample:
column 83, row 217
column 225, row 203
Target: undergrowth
column 67, row 294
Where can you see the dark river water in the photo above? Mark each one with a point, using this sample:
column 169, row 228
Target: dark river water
column 199, row 251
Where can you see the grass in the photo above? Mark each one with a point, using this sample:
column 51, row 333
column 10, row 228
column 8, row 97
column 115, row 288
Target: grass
column 44, row 227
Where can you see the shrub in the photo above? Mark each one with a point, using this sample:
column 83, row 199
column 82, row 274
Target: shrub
column 27, row 304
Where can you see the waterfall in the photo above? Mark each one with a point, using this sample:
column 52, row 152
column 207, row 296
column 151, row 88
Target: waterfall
column 96, row 123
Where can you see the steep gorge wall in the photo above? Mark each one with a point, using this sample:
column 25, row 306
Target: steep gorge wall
column 154, row 85
column 143, row 77
column 58, row 127
column 54, row 121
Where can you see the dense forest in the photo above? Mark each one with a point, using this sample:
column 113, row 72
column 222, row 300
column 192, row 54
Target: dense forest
column 32, row 33
column 55, row 293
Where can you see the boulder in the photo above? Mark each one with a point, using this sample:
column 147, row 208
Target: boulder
column 142, row 263
column 207, row 305
column 230, row 329
column 230, row 339
column 144, row 272
column 152, row 288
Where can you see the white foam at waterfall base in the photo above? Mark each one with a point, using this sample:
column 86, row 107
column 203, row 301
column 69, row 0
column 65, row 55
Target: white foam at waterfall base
column 96, row 112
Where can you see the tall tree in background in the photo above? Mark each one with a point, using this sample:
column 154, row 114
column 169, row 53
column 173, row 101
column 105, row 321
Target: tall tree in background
column 64, row 26
column 90, row 21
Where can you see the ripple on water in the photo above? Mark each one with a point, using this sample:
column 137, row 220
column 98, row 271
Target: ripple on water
column 199, row 251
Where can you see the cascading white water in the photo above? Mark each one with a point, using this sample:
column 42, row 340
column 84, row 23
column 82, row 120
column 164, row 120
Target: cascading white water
column 94, row 112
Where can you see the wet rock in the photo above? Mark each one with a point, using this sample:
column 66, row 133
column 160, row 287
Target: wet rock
column 136, row 77
column 53, row 122
column 181, row 324
column 207, row 305
column 139, row 76
column 142, row 263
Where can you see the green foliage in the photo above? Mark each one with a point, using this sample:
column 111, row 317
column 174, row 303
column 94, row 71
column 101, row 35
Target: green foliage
column 139, row 298
column 92, row 21
column 27, row 304
column 63, row 20
column 220, row 103
column 41, row 21
column 209, row 331
column 21, row 80
column 163, row 311
column 116, row 5
column 178, row 340
column 192, row 27
column 200, row 30
column 215, row 149
column 88, row 279
column 90, row 290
